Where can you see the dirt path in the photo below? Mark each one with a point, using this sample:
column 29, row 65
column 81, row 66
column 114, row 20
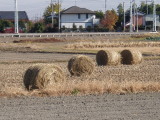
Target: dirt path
column 28, row 57
column 102, row 107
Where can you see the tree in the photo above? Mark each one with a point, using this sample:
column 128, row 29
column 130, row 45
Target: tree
column 158, row 9
column 110, row 20
column 120, row 9
column 143, row 8
column 4, row 24
column 74, row 27
column 99, row 14
column 120, row 12
column 48, row 12
column 38, row 27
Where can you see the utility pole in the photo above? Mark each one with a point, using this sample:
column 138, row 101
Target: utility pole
column 147, row 6
column 131, row 20
column 16, row 18
column 137, row 17
column 154, row 17
column 59, row 19
column 134, row 20
column 105, row 7
column 52, row 13
column 124, row 18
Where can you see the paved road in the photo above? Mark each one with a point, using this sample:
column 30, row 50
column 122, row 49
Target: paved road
column 100, row 107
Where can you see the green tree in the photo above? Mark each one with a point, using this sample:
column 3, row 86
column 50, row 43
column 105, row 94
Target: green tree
column 22, row 24
column 158, row 9
column 38, row 27
column 4, row 24
column 99, row 14
column 48, row 12
column 143, row 8
column 120, row 12
column 74, row 27
column 120, row 9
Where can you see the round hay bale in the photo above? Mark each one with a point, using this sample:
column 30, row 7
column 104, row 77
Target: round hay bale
column 108, row 58
column 130, row 57
column 42, row 76
column 80, row 65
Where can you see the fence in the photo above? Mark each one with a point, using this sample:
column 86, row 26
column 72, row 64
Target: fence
column 27, row 35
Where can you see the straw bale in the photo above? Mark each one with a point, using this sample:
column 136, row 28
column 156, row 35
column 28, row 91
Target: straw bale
column 42, row 76
column 108, row 58
column 80, row 65
column 130, row 57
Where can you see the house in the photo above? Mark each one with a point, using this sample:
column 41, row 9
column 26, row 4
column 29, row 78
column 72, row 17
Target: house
column 140, row 20
column 137, row 18
column 149, row 21
column 79, row 17
column 9, row 15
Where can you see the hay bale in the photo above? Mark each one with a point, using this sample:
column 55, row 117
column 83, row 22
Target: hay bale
column 108, row 58
column 130, row 57
column 42, row 76
column 80, row 65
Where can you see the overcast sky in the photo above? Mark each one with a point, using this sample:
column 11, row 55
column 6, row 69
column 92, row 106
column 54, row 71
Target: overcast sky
column 35, row 8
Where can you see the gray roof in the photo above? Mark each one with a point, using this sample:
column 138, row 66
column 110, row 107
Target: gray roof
column 9, row 15
column 140, row 14
column 75, row 10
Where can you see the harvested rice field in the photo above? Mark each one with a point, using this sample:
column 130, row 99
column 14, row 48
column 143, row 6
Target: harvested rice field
column 111, row 92
column 119, row 79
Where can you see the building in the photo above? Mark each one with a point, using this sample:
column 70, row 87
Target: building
column 9, row 15
column 138, row 18
column 149, row 21
column 79, row 17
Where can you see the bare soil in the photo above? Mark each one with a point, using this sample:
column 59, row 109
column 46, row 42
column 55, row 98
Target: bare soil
column 93, row 107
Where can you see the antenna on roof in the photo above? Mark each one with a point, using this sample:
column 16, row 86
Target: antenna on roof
column 16, row 18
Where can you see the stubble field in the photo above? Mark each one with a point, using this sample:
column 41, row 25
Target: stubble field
column 122, row 92
column 17, row 57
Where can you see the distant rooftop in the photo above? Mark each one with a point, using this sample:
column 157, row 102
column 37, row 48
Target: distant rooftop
column 9, row 15
column 139, row 13
column 76, row 10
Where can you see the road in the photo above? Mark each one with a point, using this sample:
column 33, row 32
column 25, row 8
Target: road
column 31, row 57
column 92, row 107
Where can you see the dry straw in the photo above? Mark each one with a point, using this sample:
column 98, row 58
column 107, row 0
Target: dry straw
column 80, row 65
column 41, row 76
column 130, row 57
column 108, row 58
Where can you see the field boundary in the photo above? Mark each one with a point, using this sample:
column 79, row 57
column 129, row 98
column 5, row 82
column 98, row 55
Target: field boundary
column 44, row 35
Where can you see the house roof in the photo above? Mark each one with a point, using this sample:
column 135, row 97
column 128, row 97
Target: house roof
column 9, row 15
column 139, row 13
column 75, row 10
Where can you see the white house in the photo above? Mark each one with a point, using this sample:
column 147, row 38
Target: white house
column 81, row 17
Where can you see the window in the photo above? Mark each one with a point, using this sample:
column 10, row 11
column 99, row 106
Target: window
column 86, row 16
column 79, row 16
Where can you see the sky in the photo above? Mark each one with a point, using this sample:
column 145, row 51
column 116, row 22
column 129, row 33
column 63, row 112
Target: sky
column 35, row 8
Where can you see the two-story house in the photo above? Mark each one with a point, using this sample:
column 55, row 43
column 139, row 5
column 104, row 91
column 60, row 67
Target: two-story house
column 80, row 17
